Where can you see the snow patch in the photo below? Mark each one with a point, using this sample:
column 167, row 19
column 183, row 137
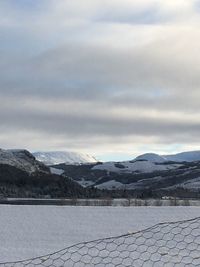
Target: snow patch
column 85, row 183
column 112, row 184
column 56, row 171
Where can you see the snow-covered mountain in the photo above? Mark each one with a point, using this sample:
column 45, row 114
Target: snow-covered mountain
column 179, row 157
column 147, row 175
column 142, row 177
column 152, row 157
column 150, row 172
column 21, row 175
column 68, row 157
column 184, row 156
column 21, row 159
column 150, row 162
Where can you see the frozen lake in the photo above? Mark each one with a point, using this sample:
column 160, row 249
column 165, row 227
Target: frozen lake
column 29, row 231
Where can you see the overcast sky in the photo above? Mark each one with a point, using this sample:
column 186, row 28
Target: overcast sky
column 113, row 78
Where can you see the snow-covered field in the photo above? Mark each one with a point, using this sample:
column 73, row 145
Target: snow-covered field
column 29, row 231
column 135, row 166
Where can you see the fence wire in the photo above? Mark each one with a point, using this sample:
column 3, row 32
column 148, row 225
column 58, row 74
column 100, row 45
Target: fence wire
column 165, row 244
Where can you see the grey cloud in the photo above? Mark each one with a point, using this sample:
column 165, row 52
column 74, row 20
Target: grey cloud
column 160, row 74
column 108, row 77
column 77, row 126
column 95, row 68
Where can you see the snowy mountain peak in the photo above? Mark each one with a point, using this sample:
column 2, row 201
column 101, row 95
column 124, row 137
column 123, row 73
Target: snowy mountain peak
column 151, row 157
column 57, row 157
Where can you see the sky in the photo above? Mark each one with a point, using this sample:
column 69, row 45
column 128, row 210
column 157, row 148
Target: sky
column 112, row 78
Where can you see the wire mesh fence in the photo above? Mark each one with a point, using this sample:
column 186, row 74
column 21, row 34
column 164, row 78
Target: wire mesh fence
column 165, row 244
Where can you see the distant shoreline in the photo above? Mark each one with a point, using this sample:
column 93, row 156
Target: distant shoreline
column 133, row 202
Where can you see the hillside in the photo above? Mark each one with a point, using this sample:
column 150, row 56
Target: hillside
column 21, row 175
column 22, row 159
column 140, row 178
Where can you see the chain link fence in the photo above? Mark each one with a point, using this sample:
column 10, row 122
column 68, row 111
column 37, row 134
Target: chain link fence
column 165, row 244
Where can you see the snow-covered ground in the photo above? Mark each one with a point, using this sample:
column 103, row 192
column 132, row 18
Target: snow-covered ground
column 135, row 166
column 29, row 231
column 56, row 171
column 112, row 184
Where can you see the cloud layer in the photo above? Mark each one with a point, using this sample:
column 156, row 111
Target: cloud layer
column 100, row 76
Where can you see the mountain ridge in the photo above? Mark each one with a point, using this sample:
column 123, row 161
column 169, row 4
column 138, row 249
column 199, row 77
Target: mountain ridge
column 68, row 157
column 148, row 175
column 187, row 156
column 22, row 159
